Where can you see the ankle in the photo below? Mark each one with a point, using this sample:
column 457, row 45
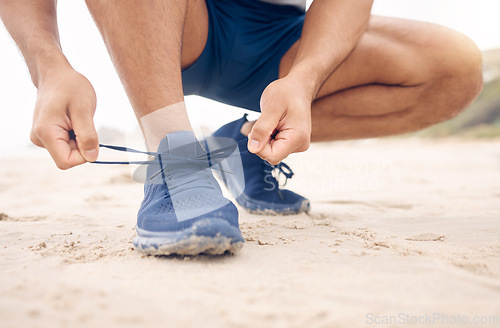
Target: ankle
column 156, row 125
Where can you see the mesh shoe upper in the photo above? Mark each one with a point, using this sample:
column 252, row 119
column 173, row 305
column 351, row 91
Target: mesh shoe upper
column 180, row 188
column 262, row 191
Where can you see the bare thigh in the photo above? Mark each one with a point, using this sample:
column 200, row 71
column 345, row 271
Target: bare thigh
column 395, row 52
column 401, row 77
column 195, row 32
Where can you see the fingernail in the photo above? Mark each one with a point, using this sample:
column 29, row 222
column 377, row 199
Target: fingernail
column 90, row 155
column 254, row 144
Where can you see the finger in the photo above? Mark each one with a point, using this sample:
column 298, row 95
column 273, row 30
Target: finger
column 86, row 136
column 279, row 148
column 63, row 150
column 35, row 140
column 262, row 130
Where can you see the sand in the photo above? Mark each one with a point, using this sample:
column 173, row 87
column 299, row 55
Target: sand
column 401, row 229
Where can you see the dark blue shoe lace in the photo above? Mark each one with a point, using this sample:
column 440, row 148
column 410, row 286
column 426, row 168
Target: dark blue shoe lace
column 209, row 159
column 275, row 172
column 280, row 169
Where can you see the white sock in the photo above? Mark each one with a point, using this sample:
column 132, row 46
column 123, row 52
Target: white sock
column 159, row 123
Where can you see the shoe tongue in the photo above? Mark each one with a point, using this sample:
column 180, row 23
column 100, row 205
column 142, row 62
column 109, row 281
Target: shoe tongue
column 180, row 143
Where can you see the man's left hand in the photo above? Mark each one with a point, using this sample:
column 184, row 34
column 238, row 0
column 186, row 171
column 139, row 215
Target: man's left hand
column 284, row 126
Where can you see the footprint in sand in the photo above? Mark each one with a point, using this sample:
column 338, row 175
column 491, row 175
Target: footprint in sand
column 378, row 205
column 98, row 198
column 5, row 217
column 121, row 178
column 427, row 237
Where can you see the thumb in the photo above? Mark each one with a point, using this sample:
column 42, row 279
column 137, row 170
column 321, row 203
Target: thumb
column 86, row 136
column 262, row 131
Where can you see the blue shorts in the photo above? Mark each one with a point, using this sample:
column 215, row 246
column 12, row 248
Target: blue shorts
column 246, row 40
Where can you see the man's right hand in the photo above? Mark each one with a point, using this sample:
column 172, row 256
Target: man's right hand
column 66, row 101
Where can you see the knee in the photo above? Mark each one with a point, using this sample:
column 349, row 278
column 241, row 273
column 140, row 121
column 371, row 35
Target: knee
column 465, row 66
column 457, row 71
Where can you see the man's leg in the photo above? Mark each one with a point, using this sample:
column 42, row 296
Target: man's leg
column 144, row 39
column 183, row 211
column 403, row 76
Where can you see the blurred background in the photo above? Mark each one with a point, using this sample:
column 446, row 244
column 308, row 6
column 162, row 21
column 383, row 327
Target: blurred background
column 85, row 50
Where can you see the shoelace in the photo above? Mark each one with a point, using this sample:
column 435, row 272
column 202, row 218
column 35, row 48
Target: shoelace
column 212, row 158
column 281, row 169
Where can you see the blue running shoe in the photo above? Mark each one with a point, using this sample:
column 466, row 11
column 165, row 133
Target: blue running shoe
column 261, row 193
column 183, row 211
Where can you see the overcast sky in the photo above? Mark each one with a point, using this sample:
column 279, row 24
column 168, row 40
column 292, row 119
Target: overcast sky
column 82, row 44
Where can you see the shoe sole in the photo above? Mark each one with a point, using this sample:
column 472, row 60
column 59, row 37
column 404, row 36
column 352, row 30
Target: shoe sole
column 211, row 237
column 263, row 208
column 259, row 207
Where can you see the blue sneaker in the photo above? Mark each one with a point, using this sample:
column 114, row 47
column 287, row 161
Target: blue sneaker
column 261, row 193
column 183, row 211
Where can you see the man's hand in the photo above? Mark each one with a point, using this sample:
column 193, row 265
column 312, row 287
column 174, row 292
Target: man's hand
column 331, row 31
column 66, row 101
column 284, row 126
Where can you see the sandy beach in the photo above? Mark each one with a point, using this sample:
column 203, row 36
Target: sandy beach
column 404, row 228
